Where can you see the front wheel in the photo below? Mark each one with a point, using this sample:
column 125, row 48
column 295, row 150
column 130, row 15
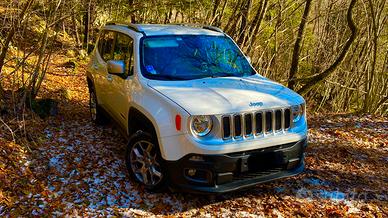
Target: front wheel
column 144, row 162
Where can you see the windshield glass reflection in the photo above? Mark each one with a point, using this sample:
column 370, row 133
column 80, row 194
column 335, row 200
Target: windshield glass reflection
column 192, row 57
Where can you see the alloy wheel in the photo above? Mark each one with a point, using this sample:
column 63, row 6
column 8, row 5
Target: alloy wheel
column 144, row 163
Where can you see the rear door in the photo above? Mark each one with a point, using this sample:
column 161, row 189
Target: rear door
column 120, row 86
column 103, row 55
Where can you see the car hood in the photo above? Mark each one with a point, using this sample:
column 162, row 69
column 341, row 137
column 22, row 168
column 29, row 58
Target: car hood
column 226, row 94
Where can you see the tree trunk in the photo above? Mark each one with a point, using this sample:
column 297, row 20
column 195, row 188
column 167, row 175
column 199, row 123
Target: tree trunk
column 215, row 7
column 370, row 78
column 313, row 81
column 297, row 46
column 76, row 34
column 256, row 25
column 244, row 20
column 253, row 23
column 38, row 76
column 230, row 26
column 86, row 21
column 219, row 18
column 7, row 41
column 131, row 5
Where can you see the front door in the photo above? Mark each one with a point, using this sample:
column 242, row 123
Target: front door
column 120, row 85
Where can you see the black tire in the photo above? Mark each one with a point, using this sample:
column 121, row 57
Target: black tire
column 153, row 183
column 95, row 110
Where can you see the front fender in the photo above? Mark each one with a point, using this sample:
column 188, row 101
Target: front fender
column 161, row 111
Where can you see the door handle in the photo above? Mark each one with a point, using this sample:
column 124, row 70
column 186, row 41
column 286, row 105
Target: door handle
column 109, row 78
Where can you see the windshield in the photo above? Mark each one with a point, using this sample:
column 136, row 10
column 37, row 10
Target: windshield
column 186, row 57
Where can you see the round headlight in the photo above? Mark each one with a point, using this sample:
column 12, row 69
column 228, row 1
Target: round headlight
column 201, row 125
column 297, row 112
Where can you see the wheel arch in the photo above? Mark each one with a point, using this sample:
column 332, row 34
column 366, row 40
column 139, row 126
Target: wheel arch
column 140, row 120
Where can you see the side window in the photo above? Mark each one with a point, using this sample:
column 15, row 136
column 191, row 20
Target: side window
column 105, row 45
column 124, row 51
column 101, row 43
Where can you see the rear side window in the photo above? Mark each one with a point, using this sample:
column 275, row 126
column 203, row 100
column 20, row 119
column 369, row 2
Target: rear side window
column 123, row 50
column 105, row 45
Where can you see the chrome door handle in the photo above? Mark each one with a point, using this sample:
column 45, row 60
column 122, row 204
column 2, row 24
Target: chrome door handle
column 109, row 78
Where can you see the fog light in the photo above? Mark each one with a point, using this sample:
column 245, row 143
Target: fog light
column 191, row 172
column 198, row 175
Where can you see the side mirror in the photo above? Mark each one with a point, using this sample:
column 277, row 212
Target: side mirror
column 249, row 59
column 116, row 67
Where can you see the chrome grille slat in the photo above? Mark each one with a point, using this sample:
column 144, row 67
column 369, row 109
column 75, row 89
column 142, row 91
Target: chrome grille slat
column 255, row 124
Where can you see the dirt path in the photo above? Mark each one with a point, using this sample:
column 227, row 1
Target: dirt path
column 77, row 168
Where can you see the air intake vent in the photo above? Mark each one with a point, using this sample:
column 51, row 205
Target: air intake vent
column 259, row 122
column 268, row 121
column 287, row 118
column 237, row 125
column 278, row 120
column 226, row 126
column 248, row 124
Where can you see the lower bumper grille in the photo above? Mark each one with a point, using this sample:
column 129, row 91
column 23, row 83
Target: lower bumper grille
column 245, row 176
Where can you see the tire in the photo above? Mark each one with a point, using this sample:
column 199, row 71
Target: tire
column 144, row 162
column 95, row 110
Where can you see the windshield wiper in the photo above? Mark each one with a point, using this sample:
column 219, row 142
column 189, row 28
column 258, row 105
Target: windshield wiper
column 166, row 77
column 217, row 75
column 223, row 74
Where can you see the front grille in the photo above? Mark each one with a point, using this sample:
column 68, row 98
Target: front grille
column 255, row 123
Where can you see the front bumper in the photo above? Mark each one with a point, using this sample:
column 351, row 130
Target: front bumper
column 220, row 173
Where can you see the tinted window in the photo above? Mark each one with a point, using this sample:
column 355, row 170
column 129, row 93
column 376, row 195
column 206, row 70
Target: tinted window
column 191, row 57
column 105, row 45
column 124, row 51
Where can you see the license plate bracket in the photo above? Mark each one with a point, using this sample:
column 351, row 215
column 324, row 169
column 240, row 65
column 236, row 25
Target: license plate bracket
column 244, row 164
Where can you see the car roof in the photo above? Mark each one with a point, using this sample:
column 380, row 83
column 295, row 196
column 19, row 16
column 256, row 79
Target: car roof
column 171, row 29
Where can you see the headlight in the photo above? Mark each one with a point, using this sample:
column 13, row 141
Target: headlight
column 201, row 125
column 297, row 112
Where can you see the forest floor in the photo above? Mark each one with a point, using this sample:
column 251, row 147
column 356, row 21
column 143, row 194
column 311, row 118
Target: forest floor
column 69, row 166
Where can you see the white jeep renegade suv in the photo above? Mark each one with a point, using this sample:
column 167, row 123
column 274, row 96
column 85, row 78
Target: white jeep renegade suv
column 197, row 115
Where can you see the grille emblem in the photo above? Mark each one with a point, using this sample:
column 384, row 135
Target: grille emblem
column 256, row 104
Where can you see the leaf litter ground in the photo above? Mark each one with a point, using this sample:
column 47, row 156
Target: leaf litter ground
column 69, row 166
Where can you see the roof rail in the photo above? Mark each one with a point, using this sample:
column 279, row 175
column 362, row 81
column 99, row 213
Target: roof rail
column 131, row 26
column 208, row 27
